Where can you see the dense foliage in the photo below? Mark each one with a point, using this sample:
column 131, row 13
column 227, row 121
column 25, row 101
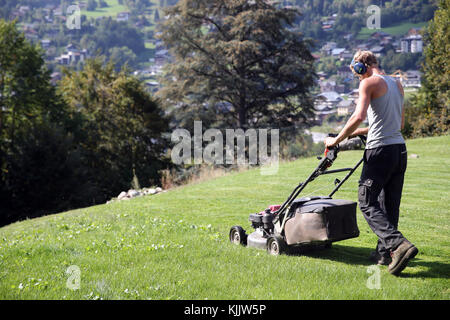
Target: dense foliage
column 428, row 111
column 75, row 146
column 250, row 69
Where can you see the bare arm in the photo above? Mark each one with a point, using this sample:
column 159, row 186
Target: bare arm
column 351, row 127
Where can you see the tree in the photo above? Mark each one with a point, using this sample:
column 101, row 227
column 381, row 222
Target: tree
column 429, row 112
column 102, row 4
column 91, row 5
column 24, row 85
column 239, row 61
column 122, row 126
column 121, row 56
column 110, row 33
column 39, row 165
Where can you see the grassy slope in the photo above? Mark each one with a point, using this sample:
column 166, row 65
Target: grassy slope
column 397, row 30
column 174, row 245
column 112, row 10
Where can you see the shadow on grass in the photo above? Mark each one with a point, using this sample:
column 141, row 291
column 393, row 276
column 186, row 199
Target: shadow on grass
column 339, row 253
column 434, row 269
column 360, row 256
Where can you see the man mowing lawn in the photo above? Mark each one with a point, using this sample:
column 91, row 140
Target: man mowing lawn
column 385, row 157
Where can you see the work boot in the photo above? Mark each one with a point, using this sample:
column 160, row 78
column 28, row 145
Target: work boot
column 380, row 259
column 401, row 256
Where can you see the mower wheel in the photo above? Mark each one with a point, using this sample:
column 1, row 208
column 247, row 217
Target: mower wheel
column 238, row 236
column 276, row 245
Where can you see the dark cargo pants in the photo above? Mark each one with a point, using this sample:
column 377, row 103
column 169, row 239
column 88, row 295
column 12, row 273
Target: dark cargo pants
column 380, row 191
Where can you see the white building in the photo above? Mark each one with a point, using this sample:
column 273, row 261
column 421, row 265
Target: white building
column 346, row 107
column 411, row 79
column 411, row 44
column 123, row 16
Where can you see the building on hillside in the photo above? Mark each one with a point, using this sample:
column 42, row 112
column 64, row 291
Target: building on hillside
column 24, row 9
column 413, row 43
column 72, row 56
column 377, row 51
column 362, row 46
column 336, row 52
column 322, row 75
column 55, row 77
column 329, row 98
column 411, row 79
column 327, row 47
column 161, row 57
column 63, row 59
column 327, row 85
column 123, row 16
column 153, row 86
column 346, row 107
column 353, row 95
column 348, row 36
column 346, row 55
column 414, row 32
column 45, row 43
column 321, row 111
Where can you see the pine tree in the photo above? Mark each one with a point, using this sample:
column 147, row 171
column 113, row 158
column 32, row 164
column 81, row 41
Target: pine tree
column 238, row 62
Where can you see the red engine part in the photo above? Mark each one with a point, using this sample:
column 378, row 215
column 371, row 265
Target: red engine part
column 274, row 207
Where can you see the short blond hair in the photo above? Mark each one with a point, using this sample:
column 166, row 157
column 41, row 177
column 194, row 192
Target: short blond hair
column 366, row 57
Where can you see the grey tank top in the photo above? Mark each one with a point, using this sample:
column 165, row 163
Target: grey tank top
column 385, row 117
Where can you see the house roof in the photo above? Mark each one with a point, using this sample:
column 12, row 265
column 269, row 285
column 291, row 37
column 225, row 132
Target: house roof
column 330, row 96
column 346, row 103
column 322, row 107
column 337, row 51
column 377, row 49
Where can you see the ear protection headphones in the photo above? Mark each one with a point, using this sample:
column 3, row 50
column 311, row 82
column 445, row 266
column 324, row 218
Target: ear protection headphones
column 359, row 67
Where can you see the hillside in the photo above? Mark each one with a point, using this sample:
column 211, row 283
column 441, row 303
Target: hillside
column 174, row 245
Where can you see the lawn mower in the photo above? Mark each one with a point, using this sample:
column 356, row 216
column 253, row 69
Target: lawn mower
column 307, row 222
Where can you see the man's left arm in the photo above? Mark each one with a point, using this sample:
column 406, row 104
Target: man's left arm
column 356, row 118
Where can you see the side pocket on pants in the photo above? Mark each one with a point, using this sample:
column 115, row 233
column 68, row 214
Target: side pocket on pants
column 364, row 193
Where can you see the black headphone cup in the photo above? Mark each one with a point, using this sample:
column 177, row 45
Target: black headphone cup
column 360, row 68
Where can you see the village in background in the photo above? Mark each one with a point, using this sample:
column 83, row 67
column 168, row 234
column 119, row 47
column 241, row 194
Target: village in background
column 336, row 92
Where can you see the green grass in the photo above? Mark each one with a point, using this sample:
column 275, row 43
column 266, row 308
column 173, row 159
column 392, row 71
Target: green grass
column 174, row 245
column 112, row 9
column 397, row 30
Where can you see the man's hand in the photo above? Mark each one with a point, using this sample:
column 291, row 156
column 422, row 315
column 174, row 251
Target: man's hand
column 330, row 142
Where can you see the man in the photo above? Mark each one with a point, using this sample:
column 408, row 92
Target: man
column 381, row 182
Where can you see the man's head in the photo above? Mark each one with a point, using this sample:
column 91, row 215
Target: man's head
column 362, row 64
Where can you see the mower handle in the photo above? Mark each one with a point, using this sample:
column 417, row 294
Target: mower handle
column 363, row 138
column 325, row 163
column 336, row 148
column 330, row 154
